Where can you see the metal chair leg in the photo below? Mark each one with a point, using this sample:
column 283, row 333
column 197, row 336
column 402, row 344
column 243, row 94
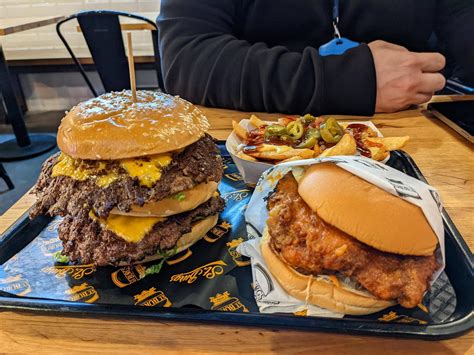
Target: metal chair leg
column 6, row 178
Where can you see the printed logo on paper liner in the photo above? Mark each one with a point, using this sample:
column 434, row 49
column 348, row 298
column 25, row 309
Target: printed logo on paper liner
column 234, row 176
column 50, row 246
column 217, row 232
column 152, row 298
column 236, row 256
column 209, row 271
column 128, row 275
column 225, row 302
column 16, row 285
column 77, row 272
column 404, row 190
column 263, row 283
column 83, row 293
column 237, row 195
column 392, row 316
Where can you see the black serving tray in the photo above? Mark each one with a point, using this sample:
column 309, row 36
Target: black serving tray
column 450, row 299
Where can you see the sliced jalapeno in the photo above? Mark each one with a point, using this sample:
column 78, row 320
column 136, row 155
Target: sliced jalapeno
column 314, row 132
column 307, row 119
column 275, row 130
column 331, row 131
column 309, row 142
column 311, row 139
column 286, row 137
column 295, row 129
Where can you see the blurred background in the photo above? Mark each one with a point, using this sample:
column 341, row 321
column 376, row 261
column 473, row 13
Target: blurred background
column 44, row 75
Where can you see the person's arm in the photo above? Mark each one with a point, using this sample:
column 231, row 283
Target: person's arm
column 455, row 28
column 204, row 62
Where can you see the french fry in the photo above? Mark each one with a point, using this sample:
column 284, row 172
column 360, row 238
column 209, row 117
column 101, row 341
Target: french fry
column 317, row 150
column 296, row 157
column 346, row 146
column 239, row 130
column 368, row 133
column 390, row 143
column 283, row 121
column 371, row 132
column 257, row 122
column 279, row 152
column 378, row 153
column 244, row 156
column 343, row 124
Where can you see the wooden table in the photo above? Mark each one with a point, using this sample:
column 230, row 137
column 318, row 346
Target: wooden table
column 443, row 156
column 14, row 25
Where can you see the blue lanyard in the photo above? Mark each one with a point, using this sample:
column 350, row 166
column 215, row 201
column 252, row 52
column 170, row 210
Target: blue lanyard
column 339, row 44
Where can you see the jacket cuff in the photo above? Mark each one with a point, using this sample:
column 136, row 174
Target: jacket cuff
column 349, row 84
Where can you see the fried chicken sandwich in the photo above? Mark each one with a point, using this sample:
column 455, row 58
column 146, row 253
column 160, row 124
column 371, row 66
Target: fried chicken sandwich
column 336, row 241
column 132, row 180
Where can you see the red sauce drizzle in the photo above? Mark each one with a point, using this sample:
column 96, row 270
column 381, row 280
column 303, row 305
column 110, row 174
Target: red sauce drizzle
column 357, row 130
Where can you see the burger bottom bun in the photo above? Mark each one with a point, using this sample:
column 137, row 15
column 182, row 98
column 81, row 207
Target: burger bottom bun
column 198, row 231
column 319, row 291
column 170, row 206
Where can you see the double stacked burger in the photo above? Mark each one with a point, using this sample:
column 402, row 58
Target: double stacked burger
column 133, row 180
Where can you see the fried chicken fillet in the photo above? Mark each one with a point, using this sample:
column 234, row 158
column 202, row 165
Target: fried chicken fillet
column 311, row 246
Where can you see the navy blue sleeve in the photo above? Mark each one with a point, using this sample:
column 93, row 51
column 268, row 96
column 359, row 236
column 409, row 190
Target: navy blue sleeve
column 205, row 62
column 455, row 28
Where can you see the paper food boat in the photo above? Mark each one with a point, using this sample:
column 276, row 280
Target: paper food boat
column 251, row 170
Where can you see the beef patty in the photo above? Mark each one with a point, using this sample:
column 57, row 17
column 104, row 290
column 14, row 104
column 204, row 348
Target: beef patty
column 312, row 246
column 61, row 195
column 87, row 241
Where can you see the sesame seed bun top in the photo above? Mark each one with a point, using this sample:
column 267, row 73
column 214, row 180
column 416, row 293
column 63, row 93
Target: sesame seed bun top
column 112, row 126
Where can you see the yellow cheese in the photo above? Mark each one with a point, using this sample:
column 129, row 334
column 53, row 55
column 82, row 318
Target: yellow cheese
column 147, row 170
column 274, row 148
column 70, row 167
column 131, row 229
column 106, row 180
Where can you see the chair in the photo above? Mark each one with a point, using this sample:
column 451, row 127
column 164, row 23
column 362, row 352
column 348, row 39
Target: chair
column 103, row 35
column 6, row 178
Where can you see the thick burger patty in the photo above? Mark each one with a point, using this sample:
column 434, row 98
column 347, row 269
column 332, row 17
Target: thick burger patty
column 61, row 195
column 311, row 246
column 85, row 240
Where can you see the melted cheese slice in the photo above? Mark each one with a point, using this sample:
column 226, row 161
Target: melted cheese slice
column 146, row 170
column 73, row 168
column 131, row 229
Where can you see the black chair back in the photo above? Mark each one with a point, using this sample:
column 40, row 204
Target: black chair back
column 103, row 35
column 6, row 178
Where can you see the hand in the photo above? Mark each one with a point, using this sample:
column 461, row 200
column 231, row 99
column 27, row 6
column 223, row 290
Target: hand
column 405, row 78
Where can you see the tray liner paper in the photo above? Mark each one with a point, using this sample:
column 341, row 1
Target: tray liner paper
column 211, row 275
column 271, row 297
